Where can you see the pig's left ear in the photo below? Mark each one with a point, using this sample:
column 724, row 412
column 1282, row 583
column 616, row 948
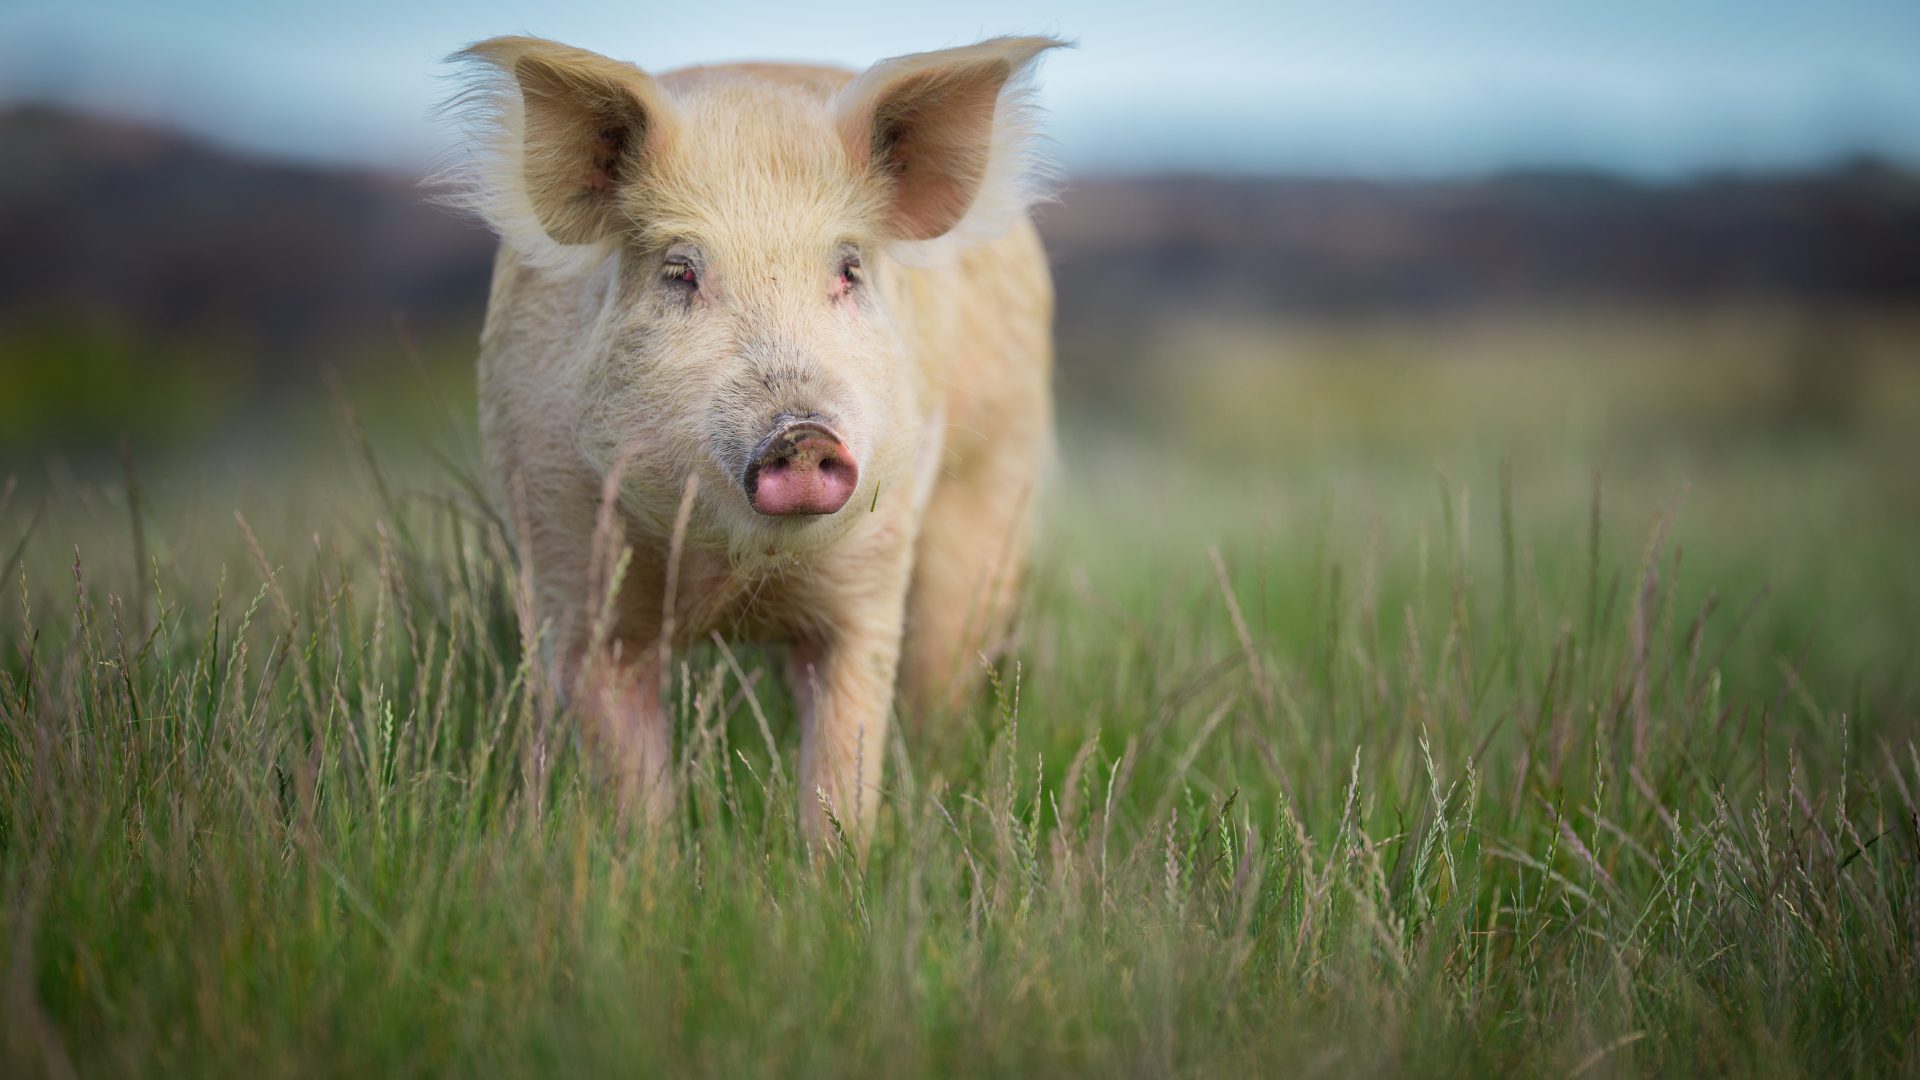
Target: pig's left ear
column 951, row 134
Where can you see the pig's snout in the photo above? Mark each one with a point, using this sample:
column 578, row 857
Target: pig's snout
column 802, row 467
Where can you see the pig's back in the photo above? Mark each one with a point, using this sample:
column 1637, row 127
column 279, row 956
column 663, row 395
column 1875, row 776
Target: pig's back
column 985, row 333
column 815, row 79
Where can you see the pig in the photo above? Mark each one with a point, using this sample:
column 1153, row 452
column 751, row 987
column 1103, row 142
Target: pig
column 782, row 335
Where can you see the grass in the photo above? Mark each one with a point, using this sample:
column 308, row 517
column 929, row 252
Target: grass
column 1346, row 767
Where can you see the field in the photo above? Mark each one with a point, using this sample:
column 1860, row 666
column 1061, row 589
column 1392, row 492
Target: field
column 1504, row 695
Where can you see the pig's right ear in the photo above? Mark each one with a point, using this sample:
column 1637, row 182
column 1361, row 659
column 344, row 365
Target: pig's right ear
column 552, row 138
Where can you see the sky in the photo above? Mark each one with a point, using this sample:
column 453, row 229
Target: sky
column 1415, row 88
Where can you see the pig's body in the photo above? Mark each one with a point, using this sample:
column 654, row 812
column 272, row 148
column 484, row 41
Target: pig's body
column 598, row 435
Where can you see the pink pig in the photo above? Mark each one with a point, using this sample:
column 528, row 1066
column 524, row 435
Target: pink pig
column 795, row 324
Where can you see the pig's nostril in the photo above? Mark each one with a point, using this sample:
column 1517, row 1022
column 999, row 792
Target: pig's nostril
column 801, row 469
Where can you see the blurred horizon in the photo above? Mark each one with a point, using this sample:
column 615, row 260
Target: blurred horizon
column 1441, row 90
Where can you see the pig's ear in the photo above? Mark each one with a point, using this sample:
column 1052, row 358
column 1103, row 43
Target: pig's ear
column 552, row 137
column 952, row 134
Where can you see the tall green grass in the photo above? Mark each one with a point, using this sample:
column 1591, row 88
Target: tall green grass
column 1436, row 783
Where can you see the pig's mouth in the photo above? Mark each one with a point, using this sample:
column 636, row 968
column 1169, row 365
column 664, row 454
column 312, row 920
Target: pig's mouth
column 802, row 468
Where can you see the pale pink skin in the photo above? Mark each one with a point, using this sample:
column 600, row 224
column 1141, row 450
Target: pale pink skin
column 683, row 358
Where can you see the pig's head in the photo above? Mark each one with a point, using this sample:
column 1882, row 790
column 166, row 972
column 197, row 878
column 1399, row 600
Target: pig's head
column 735, row 234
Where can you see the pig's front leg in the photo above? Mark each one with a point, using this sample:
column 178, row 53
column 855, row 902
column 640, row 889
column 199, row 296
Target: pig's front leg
column 627, row 729
column 842, row 680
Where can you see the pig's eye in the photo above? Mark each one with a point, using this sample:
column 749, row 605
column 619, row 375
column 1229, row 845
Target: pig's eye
column 851, row 272
column 681, row 273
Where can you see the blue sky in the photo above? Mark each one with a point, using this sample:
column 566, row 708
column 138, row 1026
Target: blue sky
column 1420, row 87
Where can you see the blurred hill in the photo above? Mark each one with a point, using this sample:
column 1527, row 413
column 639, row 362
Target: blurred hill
column 1337, row 247
column 177, row 237
column 126, row 250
